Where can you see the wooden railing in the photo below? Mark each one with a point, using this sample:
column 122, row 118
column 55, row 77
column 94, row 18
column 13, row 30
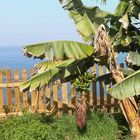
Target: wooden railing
column 55, row 97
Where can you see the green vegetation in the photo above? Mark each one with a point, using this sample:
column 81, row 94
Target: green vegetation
column 4, row 70
column 40, row 127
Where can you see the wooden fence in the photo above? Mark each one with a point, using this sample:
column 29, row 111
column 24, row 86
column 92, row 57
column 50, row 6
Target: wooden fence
column 55, row 97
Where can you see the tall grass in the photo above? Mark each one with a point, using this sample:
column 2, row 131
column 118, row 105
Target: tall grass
column 41, row 127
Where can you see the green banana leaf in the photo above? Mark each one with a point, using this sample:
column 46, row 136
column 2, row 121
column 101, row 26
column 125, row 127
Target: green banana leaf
column 133, row 58
column 87, row 20
column 66, row 70
column 59, row 50
column 39, row 80
column 43, row 66
column 130, row 86
column 121, row 8
column 84, row 26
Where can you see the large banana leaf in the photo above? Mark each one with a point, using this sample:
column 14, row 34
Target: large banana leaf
column 130, row 86
column 87, row 20
column 65, row 70
column 59, row 50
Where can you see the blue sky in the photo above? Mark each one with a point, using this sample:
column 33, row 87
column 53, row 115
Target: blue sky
column 25, row 22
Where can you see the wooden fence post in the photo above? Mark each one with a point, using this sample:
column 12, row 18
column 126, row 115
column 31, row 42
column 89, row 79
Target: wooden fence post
column 9, row 91
column 101, row 87
column 24, row 94
column 48, row 95
column 17, row 100
column 65, row 97
column 40, row 103
column 33, row 95
column 73, row 98
column 55, row 96
column 94, row 91
column 108, row 95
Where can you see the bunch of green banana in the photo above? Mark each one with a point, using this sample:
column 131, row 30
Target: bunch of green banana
column 83, row 82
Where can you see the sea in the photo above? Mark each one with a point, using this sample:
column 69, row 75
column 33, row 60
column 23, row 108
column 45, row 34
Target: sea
column 13, row 58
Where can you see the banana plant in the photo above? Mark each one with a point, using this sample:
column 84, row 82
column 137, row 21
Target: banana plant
column 67, row 60
column 123, row 36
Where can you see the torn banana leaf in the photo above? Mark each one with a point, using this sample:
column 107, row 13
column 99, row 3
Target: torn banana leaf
column 59, row 50
column 66, row 70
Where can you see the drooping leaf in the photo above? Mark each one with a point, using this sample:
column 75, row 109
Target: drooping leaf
column 59, row 50
column 87, row 20
column 84, row 26
column 39, row 80
column 130, row 86
column 66, row 70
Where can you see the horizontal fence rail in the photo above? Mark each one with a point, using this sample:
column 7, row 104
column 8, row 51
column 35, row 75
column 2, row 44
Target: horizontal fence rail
column 58, row 98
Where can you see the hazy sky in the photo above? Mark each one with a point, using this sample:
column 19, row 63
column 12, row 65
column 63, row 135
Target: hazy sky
column 25, row 22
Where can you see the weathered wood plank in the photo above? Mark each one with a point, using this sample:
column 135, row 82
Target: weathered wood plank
column 34, row 98
column 55, row 97
column 101, row 86
column 48, row 95
column 94, row 91
column 17, row 92
column 41, row 105
column 108, row 95
column 9, row 90
column 9, row 85
column 73, row 97
column 65, row 97
column 24, row 94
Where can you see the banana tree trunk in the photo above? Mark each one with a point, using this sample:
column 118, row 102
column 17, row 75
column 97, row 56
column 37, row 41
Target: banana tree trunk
column 129, row 109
